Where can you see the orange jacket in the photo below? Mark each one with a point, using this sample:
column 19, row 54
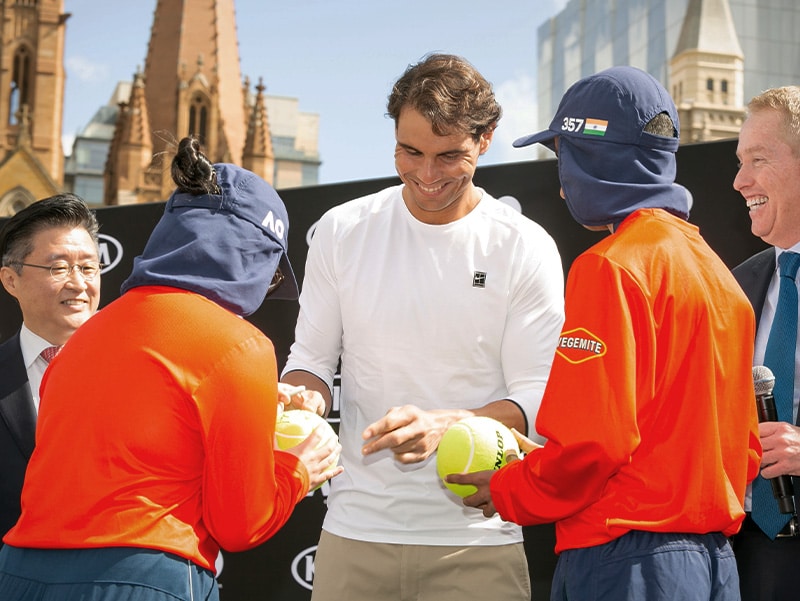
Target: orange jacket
column 649, row 411
column 156, row 430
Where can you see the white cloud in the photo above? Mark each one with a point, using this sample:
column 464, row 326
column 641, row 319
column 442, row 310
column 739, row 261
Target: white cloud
column 518, row 99
column 87, row 70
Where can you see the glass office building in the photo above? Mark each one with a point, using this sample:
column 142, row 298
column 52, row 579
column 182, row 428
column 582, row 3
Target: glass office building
column 591, row 35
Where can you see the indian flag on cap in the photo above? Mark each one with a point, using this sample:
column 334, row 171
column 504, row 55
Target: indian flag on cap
column 595, row 127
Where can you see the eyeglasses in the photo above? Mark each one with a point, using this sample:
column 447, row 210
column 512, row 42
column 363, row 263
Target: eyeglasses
column 277, row 280
column 61, row 270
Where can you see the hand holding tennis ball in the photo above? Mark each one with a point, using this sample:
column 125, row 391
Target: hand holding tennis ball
column 312, row 439
column 474, row 444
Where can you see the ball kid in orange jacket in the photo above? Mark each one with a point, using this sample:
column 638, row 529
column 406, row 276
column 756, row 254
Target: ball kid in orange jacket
column 649, row 411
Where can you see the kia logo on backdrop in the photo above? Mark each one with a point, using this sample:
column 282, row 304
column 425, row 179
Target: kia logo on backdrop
column 110, row 252
column 303, row 567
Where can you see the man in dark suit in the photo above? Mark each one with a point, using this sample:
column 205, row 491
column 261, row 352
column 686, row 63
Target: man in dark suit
column 769, row 180
column 49, row 262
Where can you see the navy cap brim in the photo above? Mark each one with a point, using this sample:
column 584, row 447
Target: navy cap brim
column 545, row 137
column 288, row 290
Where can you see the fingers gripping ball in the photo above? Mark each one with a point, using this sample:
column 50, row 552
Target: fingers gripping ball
column 295, row 425
column 473, row 444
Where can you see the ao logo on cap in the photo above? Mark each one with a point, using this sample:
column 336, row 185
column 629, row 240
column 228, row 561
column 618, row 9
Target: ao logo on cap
column 275, row 225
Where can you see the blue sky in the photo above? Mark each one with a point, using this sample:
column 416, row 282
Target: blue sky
column 339, row 59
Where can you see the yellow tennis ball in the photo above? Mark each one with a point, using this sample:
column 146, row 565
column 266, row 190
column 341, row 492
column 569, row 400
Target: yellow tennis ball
column 295, row 425
column 473, row 444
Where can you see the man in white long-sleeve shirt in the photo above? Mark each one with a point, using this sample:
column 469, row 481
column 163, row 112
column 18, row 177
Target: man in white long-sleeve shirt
column 441, row 302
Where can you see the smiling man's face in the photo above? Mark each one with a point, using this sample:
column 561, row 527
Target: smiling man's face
column 769, row 179
column 55, row 309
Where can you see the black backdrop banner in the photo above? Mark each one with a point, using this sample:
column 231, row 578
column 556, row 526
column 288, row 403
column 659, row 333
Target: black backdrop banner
column 283, row 567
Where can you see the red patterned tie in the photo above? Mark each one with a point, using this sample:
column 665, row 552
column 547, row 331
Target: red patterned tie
column 49, row 353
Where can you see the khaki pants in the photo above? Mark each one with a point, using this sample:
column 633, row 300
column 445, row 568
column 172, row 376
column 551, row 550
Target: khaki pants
column 361, row 571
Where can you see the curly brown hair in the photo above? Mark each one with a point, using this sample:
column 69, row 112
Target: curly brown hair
column 450, row 93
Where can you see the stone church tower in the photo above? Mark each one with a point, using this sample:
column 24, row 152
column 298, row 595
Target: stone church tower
column 707, row 73
column 31, row 101
column 191, row 84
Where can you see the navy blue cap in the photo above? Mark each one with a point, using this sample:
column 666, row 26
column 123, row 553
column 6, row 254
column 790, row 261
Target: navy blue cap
column 613, row 105
column 248, row 197
column 225, row 246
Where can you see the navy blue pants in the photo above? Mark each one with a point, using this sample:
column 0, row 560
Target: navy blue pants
column 106, row 574
column 649, row 566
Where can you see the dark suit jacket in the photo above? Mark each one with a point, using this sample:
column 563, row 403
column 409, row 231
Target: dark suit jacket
column 17, row 430
column 754, row 275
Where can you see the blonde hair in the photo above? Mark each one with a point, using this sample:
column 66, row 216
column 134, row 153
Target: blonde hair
column 786, row 101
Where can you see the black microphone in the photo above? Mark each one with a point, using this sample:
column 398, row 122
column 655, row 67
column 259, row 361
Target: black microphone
column 764, row 381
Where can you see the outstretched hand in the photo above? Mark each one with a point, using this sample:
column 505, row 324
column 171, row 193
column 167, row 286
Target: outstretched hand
column 411, row 433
